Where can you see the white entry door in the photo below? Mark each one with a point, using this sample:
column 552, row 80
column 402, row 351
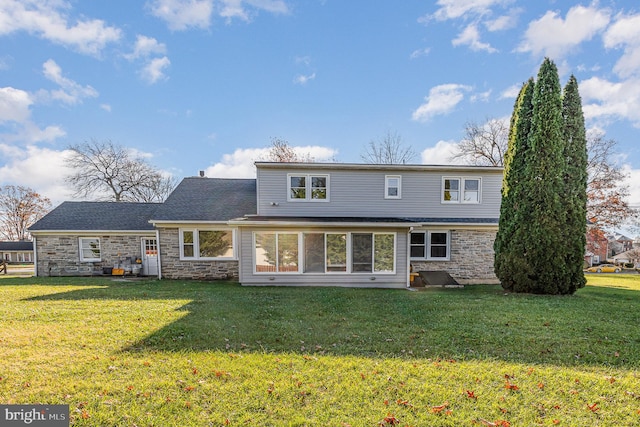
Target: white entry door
column 149, row 256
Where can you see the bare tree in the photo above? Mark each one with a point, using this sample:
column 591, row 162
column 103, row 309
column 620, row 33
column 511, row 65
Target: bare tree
column 20, row 207
column 111, row 172
column 388, row 150
column 607, row 194
column 281, row 151
column 485, row 145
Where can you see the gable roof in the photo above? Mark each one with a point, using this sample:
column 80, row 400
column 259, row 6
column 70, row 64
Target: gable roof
column 22, row 245
column 208, row 199
column 94, row 216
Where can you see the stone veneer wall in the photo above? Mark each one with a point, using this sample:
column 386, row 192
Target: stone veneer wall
column 471, row 258
column 175, row 268
column 60, row 256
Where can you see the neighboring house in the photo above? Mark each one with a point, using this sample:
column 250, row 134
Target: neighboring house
column 17, row 252
column 313, row 224
column 618, row 243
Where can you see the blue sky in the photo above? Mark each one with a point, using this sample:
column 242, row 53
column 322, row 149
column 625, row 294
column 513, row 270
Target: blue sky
column 206, row 84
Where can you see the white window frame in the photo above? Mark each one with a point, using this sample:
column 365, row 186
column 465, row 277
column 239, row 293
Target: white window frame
column 308, row 187
column 81, row 247
column 388, row 186
column 461, row 189
column 349, row 254
column 427, row 245
column 196, row 244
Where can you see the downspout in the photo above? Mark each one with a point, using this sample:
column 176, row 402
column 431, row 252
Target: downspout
column 35, row 257
column 409, row 257
column 159, row 251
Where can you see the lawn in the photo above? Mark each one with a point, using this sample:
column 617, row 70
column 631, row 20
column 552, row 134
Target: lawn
column 180, row 353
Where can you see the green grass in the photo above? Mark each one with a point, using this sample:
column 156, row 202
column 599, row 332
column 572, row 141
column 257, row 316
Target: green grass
column 175, row 353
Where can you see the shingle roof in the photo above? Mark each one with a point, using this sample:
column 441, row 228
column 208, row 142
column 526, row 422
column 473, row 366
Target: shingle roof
column 209, row 199
column 16, row 246
column 91, row 216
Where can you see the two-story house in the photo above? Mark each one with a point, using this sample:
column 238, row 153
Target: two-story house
column 296, row 224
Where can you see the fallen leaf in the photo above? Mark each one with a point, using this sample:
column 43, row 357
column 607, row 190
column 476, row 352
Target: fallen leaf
column 439, row 408
column 594, row 407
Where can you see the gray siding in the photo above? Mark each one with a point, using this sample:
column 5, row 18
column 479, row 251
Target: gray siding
column 371, row 280
column 360, row 193
column 59, row 255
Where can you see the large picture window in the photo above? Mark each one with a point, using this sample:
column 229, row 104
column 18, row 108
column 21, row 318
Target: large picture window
column 276, row 252
column 285, row 252
column 89, row 249
column 308, row 187
column 430, row 245
column 460, row 190
column 206, row 244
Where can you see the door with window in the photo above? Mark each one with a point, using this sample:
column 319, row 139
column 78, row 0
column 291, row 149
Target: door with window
column 150, row 256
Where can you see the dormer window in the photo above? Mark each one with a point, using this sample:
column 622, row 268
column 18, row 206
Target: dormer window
column 308, row 187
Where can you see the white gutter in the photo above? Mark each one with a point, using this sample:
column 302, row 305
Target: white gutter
column 35, row 257
column 159, row 251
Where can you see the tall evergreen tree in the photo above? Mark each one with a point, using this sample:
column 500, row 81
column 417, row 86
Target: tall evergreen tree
column 544, row 185
column 575, row 193
column 510, row 259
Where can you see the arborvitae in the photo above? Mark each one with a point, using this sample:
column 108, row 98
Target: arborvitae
column 543, row 184
column 575, row 181
column 510, row 261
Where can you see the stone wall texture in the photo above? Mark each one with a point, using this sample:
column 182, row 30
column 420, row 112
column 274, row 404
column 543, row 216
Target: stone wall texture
column 175, row 268
column 60, row 256
column 471, row 259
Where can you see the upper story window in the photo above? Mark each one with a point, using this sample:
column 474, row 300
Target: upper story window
column 308, row 187
column 460, row 190
column 206, row 244
column 392, row 187
column 89, row 249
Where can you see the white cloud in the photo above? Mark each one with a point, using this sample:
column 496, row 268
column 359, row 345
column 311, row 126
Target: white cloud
column 49, row 20
column 186, row 14
column 471, row 37
column 15, row 110
column 70, row 92
column 154, row 70
column 302, row 79
column 146, row 46
column 481, row 96
column 625, row 32
column 503, row 22
column 442, row 99
column 511, row 92
column 440, row 154
column 183, row 14
column 41, row 169
column 240, row 164
column 452, row 9
column 633, row 181
column 420, row 52
column 106, row 107
column 14, row 105
column 554, row 37
column 606, row 100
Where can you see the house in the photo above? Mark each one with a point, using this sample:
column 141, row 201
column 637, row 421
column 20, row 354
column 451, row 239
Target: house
column 17, row 252
column 84, row 238
column 313, row 224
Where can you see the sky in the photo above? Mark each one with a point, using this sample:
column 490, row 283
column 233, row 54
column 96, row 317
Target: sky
column 195, row 85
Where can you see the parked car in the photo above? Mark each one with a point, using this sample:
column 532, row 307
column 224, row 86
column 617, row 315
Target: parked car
column 604, row 268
